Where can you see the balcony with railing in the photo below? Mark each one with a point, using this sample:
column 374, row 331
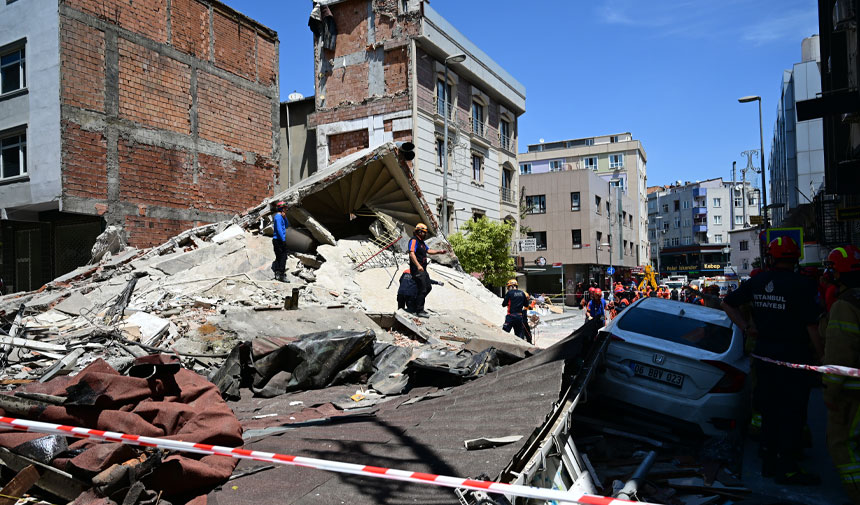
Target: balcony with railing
column 506, row 143
column 440, row 106
column 478, row 127
column 700, row 192
column 508, row 195
column 700, row 211
column 700, row 228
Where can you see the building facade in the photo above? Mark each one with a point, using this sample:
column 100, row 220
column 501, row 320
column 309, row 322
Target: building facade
column 797, row 152
column 689, row 224
column 744, row 246
column 575, row 191
column 153, row 115
column 380, row 77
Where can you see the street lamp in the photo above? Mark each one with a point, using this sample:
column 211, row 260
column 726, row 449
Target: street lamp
column 763, row 204
column 617, row 181
column 446, row 110
column 657, row 236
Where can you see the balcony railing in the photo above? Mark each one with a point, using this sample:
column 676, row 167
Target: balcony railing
column 441, row 107
column 700, row 192
column 700, row 228
column 508, row 195
column 506, row 142
column 478, row 127
column 698, row 211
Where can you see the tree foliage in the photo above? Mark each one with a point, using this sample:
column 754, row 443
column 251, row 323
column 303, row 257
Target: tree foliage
column 484, row 246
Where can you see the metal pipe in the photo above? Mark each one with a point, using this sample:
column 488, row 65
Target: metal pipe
column 631, row 487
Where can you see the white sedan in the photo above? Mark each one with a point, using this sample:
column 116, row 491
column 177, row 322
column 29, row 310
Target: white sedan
column 679, row 360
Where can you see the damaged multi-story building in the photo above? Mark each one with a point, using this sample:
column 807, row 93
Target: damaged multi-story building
column 154, row 115
column 380, row 76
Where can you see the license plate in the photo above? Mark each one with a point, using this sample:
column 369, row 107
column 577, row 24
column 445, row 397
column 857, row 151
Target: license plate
column 658, row 374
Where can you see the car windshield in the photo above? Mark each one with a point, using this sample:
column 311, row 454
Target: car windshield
column 676, row 328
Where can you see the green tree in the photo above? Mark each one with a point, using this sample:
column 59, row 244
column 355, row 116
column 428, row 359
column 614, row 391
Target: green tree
column 484, row 246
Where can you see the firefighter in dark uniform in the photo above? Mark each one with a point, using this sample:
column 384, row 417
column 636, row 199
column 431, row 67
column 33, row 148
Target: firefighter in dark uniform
column 418, row 252
column 515, row 300
column 784, row 324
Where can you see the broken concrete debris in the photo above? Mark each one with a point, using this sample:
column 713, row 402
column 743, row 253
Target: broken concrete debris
column 134, row 335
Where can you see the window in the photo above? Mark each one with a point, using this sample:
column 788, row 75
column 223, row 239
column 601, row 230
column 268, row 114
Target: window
column 574, row 201
column 688, row 240
column 599, row 237
column 536, row 204
column 13, row 75
column 718, row 219
column 739, row 220
column 739, row 201
column 665, row 208
column 717, row 202
column 589, row 163
column 443, row 96
column 718, row 238
column 616, row 161
column 624, row 248
column 576, row 237
column 555, row 166
column 440, row 148
column 613, row 139
column 744, row 245
column 607, row 206
column 746, row 264
column 505, row 134
column 623, row 217
column 666, row 242
column 753, row 201
column 686, row 204
column 13, row 156
column 653, row 235
column 597, row 203
column 676, row 241
column 525, row 168
column 677, row 205
column 677, row 222
column 477, row 167
column 478, row 214
column 477, row 118
column 404, row 5
column 687, row 223
column 589, row 142
column 714, row 335
column 540, row 239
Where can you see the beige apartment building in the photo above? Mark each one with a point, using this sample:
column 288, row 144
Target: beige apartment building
column 572, row 190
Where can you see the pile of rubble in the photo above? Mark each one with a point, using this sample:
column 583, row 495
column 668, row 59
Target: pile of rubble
column 138, row 337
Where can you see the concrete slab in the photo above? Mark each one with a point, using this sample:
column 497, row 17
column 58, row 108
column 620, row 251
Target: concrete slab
column 175, row 264
column 232, row 231
column 149, row 326
column 46, row 299
column 74, row 304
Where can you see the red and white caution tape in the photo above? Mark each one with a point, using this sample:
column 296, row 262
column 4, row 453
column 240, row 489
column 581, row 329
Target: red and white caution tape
column 321, row 464
column 828, row 369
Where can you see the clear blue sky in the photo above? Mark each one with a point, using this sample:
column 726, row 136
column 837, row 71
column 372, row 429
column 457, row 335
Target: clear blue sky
column 669, row 71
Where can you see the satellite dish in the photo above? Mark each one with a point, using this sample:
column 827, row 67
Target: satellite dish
column 295, row 95
column 541, row 141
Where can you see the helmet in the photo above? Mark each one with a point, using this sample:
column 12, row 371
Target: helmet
column 281, row 205
column 512, row 282
column 845, row 259
column 597, row 292
column 783, row 248
column 421, row 227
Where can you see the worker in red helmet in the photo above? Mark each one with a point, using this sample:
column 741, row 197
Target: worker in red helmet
column 596, row 307
column 784, row 323
column 516, row 301
column 279, row 241
column 842, row 347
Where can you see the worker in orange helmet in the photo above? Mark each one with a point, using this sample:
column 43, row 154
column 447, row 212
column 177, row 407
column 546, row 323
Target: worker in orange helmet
column 516, row 302
column 784, row 324
column 842, row 347
column 596, row 307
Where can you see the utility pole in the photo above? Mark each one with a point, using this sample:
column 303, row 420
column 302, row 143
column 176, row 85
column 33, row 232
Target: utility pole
column 732, row 198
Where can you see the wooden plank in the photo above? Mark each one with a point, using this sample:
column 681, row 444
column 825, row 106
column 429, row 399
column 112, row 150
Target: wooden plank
column 19, row 485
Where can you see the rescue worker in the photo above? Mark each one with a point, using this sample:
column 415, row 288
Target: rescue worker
column 596, row 307
column 406, row 292
column 842, row 347
column 279, row 241
column 418, row 252
column 516, row 302
column 784, row 316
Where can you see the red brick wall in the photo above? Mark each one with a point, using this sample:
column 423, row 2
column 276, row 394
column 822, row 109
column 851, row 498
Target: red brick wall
column 403, row 136
column 154, row 89
column 232, row 186
column 189, row 25
column 82, row 50
column 344, row 144
column 234, row 47
column 155, row 176
column 84, row 162
column 149, row 231
column 267, row 62
column 347, row 84
column 345, row 113
column 350, row 18
column 145, row 17
column 395, row 69
column 234, row 116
